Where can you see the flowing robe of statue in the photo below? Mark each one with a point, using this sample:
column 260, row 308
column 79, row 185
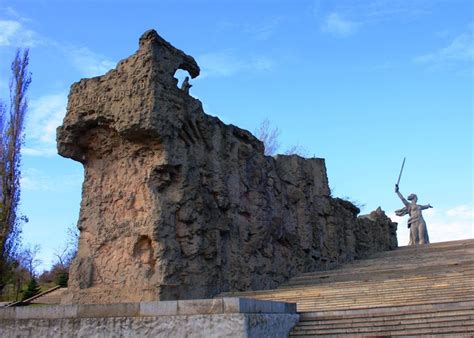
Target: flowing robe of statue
column 416, row 222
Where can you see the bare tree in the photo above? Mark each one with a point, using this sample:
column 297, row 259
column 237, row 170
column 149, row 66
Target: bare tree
column 270, row 138
column 297, row 149
column 27, row 256
column 66, row 253
column 11, row 140
column 59, row 272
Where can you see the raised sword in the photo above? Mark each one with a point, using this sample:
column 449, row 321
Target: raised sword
column 401, row 171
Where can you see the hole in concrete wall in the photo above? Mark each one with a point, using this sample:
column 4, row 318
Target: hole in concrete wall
column 143, row 251
column 180, row 75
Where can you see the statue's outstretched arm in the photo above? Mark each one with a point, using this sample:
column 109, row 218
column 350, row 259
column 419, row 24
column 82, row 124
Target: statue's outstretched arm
column 423, row 207
column 401, row 196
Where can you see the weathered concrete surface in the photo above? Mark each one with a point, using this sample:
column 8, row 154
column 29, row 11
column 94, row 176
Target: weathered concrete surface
column 374, row 232
column 222, row 325
column 178, row 205
column 223, row 317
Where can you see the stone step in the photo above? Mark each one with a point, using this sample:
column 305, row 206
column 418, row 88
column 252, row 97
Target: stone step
column 364, row 296
column 374, row 293
column 356, row 275
column 387, row 320
column 360, row 274
column 404, row 311
column 382, row 323
column 407, row 256
column 455, row 265
column 392, row 272
column 422, row 254
column 375, row 290
column 369, row 290
column 446, row 328
column 369, row 285
column 305, row 305
column 375, row 327
column 308, row 307
column 410, row 259
column 349, row 296
column 51, row 298
column 454, row 332
column 408, row 284
column 411, row 291
column 408, row 316
column 433, row 247
column 327, row 302
column 436, row 246
column 390, row 310
column 449, row 278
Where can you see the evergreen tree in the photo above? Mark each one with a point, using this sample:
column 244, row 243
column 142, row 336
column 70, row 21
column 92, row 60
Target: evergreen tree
column 62, row 279
column 32, row 289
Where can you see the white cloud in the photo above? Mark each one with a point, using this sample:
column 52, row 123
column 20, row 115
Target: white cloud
column 337, row 25
column 226, row 63
column 462, row 212
column 316, row 8
column 385, row 10
column 264, row 30
column 386, row 65
column 28, row 180
column 46, row 114
column 261, row 63
column 12, row 13
column 459, row 50
column 344, row 18
column 443, row 224
column 35, row 180
column 13, row 33
column 39, row 150
column 89, row 63
column 8, row 29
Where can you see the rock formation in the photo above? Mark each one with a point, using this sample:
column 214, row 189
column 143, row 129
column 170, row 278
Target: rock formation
column 176, row 204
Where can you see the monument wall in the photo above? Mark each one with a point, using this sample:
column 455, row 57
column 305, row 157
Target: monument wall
column 210, row 318
column 178, row 205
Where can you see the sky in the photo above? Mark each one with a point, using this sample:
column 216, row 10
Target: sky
column 362, row 84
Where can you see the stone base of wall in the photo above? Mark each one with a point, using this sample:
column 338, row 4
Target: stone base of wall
column 222, row 317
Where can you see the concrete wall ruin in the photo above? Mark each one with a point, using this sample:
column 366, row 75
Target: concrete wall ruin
column 210, row 318
column 178, row 205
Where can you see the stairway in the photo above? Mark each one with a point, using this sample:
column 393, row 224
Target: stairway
column 52, row 297
column 411, row 291
column 455, row 318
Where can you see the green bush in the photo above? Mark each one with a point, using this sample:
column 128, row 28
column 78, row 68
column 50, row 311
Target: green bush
column 61, row 279
column 32, row 289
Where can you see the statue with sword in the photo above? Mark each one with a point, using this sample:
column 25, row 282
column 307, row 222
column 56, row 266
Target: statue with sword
column 416, row 222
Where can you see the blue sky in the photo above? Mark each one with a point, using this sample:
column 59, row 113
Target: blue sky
column 360, row 83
